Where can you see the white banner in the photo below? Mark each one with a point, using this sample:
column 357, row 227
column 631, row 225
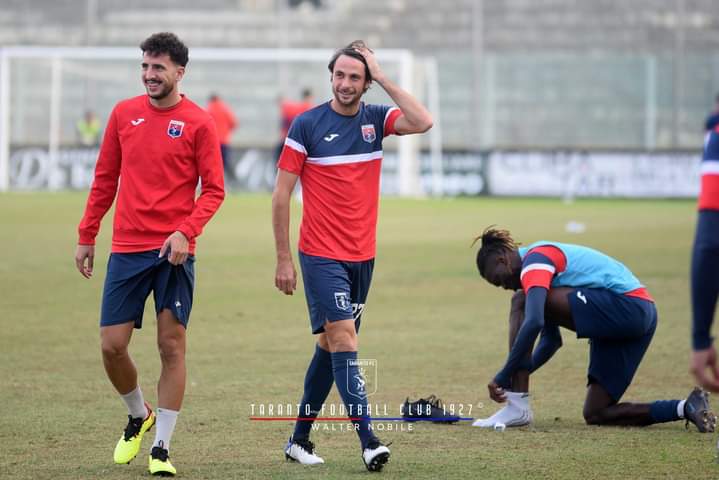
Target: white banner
column 594, row 174
column 33, row 168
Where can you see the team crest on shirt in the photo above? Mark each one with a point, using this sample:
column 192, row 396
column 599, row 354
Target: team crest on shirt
column 342, row 300
column 174, row 128
column 368, row 133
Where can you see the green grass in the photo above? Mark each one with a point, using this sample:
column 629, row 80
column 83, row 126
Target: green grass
column 431, row 323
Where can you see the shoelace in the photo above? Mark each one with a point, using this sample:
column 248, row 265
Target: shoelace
column 133, row 427
column 434, row 401
column 160, row 454
column 306, row 445
column 376, row 444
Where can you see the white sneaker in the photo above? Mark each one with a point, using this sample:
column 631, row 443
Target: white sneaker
column 375, row 456
column 302, row 451
column 515, row 414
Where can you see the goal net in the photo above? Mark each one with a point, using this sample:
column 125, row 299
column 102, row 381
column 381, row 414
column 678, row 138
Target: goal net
column 44, row 92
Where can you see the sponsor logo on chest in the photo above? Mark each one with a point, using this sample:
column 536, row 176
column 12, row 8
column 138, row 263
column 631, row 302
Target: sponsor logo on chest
column 368, row 133
column 175, row 128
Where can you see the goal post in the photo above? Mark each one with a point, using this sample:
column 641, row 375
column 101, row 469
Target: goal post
column 43, row 88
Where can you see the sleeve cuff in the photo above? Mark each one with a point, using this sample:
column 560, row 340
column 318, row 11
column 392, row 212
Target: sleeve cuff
column 503, row 380
column 702, row 342
column 86, row 239
column 187, row 232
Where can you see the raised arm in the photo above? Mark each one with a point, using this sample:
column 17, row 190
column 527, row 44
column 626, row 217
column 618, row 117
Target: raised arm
column 415, row 117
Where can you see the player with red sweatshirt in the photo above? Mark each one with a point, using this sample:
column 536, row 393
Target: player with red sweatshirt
column 155, row 150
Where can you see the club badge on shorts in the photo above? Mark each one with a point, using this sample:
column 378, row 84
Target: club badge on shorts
column 368, row 133
column 342, row 301
column 174, row 128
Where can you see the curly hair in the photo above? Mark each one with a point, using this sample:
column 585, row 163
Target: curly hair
column 494, row 241
column 350, row 51
column 166, row 43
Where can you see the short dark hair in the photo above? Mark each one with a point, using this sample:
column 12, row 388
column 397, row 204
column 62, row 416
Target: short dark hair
column 494, row 241
column 166, row 43
column 350, row 51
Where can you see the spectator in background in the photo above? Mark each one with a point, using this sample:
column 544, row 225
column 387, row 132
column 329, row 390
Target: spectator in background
column 88, row 129
column 225, row 123
column 289, row 110
column 712, row 120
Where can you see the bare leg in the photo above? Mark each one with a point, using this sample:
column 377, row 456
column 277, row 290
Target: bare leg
column 119, row 366
column 339, row 336
column 171, row 343
column 557, row 308
column 600, row 409
column 323, row 342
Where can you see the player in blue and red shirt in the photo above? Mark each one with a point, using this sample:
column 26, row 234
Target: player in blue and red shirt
column 705, row 268
column 335, row 150
column 594, row 295
column 155, row 150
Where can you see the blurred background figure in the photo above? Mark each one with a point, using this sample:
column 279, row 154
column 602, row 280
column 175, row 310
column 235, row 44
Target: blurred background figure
column 713, row 118
column 88, row 129
column 289, row 109
column 225, row 122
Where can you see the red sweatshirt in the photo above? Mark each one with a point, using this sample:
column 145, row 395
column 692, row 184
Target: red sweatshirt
column 157, row 157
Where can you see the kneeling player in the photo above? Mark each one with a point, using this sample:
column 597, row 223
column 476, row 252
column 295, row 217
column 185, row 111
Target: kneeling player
column 594, row 295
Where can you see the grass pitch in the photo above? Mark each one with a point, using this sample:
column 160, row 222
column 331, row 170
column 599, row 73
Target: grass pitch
column 431, row 323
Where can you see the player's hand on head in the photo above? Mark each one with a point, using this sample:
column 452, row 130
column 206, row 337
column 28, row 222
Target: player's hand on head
column 85, row 259
column 703, row 365
column 177, row 248
column 372, row 64
column 496, row 392
column 286, row 277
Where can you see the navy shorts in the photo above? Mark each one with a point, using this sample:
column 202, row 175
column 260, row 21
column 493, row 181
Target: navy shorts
column 620, row 329
column 132, row 276
column 335, row 290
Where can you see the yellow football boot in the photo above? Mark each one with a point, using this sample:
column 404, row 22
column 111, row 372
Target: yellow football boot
column 160, row 463
column 129, row 444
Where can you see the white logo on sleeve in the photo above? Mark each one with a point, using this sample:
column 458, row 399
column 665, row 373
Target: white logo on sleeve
column 137, row 122
column 581, row 296
column 331, row 137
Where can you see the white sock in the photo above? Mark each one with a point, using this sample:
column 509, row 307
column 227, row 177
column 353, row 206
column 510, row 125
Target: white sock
column 135, row 403
column 518, row 399
column 164, row 427
column 680, row 408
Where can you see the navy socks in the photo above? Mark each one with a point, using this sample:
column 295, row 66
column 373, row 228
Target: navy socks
column 318, row 383
column 664, row 411
column 352, row 390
